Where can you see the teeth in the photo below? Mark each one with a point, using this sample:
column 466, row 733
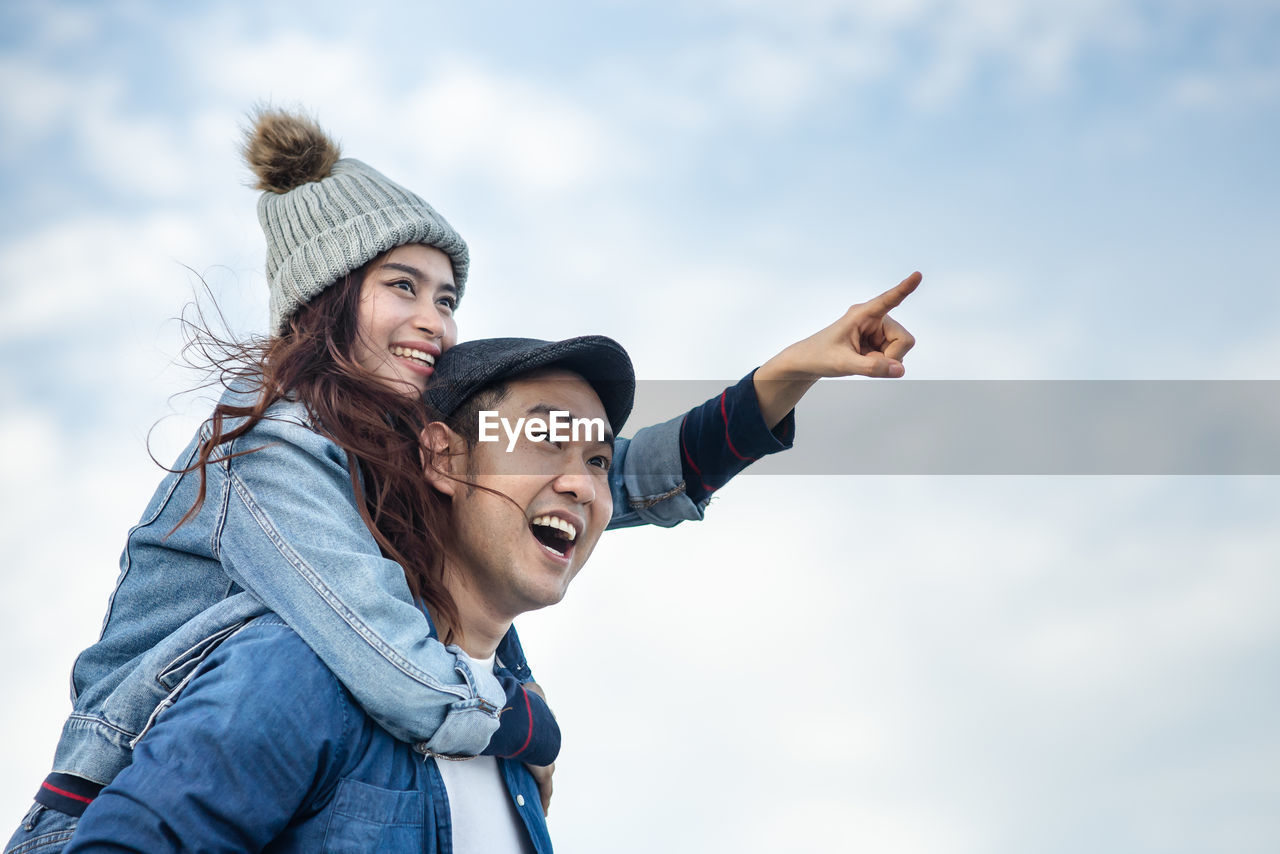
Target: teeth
column 570, row 532
column 410, row 353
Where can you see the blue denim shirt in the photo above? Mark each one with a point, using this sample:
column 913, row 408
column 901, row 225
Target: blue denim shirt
column 279, row 531
column 265, row 750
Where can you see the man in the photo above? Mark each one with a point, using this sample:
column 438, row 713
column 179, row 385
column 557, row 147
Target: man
column 265, row 748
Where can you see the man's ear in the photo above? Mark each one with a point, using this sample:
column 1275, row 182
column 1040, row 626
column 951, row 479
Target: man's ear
column 443, row 456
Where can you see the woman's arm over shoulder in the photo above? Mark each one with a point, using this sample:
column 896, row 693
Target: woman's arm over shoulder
column 294, row 537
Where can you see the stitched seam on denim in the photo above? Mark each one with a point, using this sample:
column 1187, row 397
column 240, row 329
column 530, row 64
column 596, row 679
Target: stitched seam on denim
column 173, row 695
column 103, row 722
column 384, row 822
column 215, row 536
column 33, row 844
column 328, row 825
column 217, row 637
column 308, row 574
column 646, row 503
column 440, row 798
column 128, row 555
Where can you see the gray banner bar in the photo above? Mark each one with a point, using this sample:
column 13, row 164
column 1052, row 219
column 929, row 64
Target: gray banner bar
column 1227, row 427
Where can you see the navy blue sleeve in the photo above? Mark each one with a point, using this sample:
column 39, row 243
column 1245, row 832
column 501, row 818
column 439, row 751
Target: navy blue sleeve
column 261, row 731
column 725, row 435
column 526, row 729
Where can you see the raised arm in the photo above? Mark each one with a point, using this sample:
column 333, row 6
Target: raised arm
column 865, row 341
column 670, row 470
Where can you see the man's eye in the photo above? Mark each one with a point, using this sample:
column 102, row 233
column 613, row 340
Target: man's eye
column 601, row 462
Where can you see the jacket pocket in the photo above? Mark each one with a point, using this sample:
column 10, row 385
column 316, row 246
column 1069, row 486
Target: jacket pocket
column 43, row 831
column 368, row 818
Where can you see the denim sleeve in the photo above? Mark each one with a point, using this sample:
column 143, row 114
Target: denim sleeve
column 294, row 537
column 666, row 474
column 647, row 480
column 233, row 760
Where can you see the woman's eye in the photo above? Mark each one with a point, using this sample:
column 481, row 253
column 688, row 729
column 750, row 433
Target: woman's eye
column 449, row 303
column 403, row 285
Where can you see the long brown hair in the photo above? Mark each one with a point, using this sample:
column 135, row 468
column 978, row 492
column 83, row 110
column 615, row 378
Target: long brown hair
column 378, row 428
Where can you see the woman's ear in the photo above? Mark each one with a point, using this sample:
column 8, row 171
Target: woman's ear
column 442, row 450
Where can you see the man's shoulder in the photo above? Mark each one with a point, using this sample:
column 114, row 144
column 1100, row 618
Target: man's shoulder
column 269, row 637
column 265, row 667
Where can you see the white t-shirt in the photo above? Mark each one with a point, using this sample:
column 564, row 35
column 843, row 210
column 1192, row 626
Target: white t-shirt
column 485, row 819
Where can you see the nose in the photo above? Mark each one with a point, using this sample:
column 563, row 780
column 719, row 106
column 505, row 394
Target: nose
column 578, row 482
column 428, row 318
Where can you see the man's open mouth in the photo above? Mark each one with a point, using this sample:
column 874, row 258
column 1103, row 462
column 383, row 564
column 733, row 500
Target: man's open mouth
column 555, row 534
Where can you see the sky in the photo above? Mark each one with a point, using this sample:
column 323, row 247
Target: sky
column 839, row 662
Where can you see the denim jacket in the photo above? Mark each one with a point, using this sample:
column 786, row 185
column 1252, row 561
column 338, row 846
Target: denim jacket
column 287, row 763
column 279, row 531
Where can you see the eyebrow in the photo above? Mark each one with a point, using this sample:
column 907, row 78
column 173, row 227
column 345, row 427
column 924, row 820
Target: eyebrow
column 415, row 272
column 546, row 409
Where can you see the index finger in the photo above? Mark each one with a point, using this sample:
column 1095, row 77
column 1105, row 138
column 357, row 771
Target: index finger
column 893, row 297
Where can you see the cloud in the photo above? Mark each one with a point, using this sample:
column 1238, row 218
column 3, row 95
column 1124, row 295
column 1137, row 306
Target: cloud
column 514, row 132
column 128, row 154
column 138, row 154
column 34, row 437
column 1226, row 88
column 764, row 62
column 817, row 50
column 92, row 272
column 34, row 100
column 464, row 120
column 295, row 68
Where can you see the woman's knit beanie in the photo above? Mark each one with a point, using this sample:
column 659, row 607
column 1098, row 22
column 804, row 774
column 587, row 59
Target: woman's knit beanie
column 324, row 217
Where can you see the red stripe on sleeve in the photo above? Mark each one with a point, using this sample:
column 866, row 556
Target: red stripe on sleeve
column 729, row 442
column 529, row 708
column 684, row 449
column 81, row 798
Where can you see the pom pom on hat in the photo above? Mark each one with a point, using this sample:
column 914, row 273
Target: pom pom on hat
column 286, row 150
column 324, row 217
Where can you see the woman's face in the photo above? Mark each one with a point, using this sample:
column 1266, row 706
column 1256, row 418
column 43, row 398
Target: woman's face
column 405, row 318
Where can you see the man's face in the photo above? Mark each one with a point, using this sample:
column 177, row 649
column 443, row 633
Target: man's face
column 518, row 550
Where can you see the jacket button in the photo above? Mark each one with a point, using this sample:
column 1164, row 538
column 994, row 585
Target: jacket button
column 520, row 800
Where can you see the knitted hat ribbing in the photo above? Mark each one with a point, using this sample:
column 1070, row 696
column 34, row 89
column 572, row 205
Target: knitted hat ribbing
column 320, row 227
